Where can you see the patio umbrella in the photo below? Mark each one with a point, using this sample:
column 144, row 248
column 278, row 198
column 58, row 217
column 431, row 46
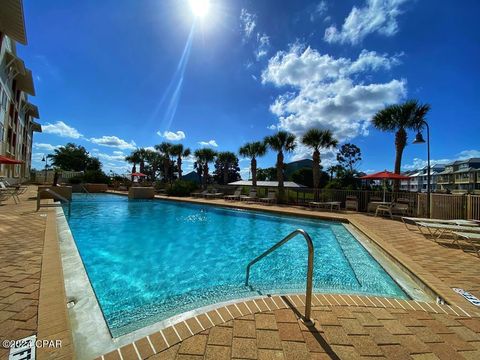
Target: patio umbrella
column 9, row 161
column 138, row 174
column 385, row 175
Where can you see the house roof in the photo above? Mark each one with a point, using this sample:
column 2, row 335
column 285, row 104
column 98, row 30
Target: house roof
column 286, row 184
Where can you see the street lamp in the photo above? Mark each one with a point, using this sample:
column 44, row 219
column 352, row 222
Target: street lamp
column 45, row 160
column 420, row 140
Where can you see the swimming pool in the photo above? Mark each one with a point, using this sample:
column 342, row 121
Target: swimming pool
column 150, row 260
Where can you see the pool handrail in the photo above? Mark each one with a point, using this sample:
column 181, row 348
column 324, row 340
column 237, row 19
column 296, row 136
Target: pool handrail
column 308, row 296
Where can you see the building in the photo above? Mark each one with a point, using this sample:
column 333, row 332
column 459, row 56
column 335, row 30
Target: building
column 17, row 113
column 419, row 179
column 461, row 176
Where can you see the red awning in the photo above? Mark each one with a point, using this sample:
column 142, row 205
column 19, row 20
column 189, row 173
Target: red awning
column 138, row 174
column 385, row 175
column 6, row 160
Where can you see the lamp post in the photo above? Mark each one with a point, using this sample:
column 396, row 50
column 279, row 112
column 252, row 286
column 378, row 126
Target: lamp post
column 420, row 140
column 45, row 160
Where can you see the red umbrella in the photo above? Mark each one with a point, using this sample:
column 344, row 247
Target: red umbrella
column 6, row 160
column 138, row 174
column 385, row 175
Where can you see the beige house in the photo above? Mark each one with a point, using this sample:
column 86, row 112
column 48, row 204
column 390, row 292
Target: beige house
column 17, row 113
column 461, row 176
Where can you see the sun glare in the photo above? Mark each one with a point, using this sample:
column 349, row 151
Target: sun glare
column 199, row 7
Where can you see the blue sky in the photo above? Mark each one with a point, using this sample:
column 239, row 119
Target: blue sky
column 115, row 75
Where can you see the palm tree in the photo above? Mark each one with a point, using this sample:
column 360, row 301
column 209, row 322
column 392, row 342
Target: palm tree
column 155, row 160
column 165, row 150
column 203, row 157
column 179, row 152
column 400, row 118
column 281, row 142
column 226, row 159
column 317, row 139
column 253, row 150
column 142, row 154
column 134, row 158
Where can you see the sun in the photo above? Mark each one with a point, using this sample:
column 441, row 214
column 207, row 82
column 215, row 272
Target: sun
column 199, row 7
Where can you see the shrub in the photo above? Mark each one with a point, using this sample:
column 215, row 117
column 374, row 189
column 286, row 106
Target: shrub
column 75, row 180
column 96, row 177
column 181, row 188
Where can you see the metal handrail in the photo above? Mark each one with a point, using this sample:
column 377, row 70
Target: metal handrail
column 308, row 296
column 56, row 196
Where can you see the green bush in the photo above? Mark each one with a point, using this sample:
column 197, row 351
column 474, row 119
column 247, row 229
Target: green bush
column 181, row 188
column 95, row 177
column 75, row 180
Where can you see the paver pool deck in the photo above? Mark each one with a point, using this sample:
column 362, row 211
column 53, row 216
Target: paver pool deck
column 32, row 301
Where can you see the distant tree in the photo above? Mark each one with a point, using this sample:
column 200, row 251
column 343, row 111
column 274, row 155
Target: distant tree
column 253, row 150
column 348, row 156
column 317, row 139
column 154, row 163
column 399, row 119
column 202, row 158
column 226, row 168
column 304, row 176
column 281, row 142
column 268, row 174
column 134, row 159
column 180, row 153
column 165, row 149
column 71, row 157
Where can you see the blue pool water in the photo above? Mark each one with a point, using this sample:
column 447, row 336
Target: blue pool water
column 150, row 260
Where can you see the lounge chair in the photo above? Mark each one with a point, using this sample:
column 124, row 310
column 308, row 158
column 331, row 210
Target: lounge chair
column 270, row 199
column 199, row 194
column 373, row 203
column 438, row 230
column 5, row 195
column 252, row 196
column 471, row 238
column 21, row 189
column 235, row 196
column 213, row 194
column 385, row 209
column 413, row 221
column 325, row 204
column 351, row 203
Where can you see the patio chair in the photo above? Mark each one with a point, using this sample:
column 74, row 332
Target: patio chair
column 372, row 203
column 21, row 189
column 385, row 209
column 414, row 220
column 472, row 238
column 199, row 194
column 437, row 230
column 12, row 191
column 325, row 204
column 351, row 203
column 5, row 195
column 270, row 199
column 252, row 196
column 213, row 194
column 235, row 196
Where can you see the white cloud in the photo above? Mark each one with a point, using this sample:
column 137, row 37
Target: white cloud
column 376, row 16
column 319, row 10
column 248, row 23
column 46, row 147
column 272, row 127
column 151, row 148
column 61, row 129
column 172, row 136
column 418, row 163
column 263, row 42
column 114, row 141
column 329, row 92
column 208, row 143
column 116, row 156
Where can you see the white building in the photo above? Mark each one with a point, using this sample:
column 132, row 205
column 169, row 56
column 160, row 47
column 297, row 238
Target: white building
column 17, row 114
column 419, row 179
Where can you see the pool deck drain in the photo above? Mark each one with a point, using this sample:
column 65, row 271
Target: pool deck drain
column 343, row 329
